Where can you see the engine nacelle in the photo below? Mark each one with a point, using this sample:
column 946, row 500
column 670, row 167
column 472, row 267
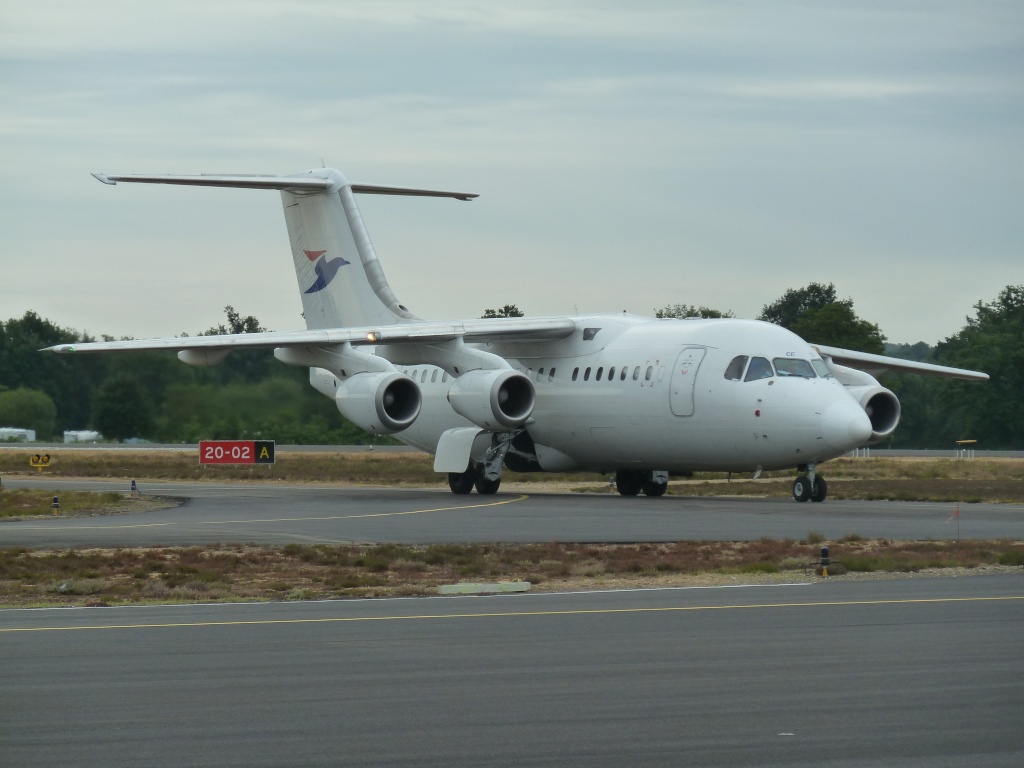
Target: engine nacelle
column 882, row 408
column 382, row 403
column 493, row 400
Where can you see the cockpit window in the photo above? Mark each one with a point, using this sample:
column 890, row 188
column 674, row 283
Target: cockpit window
column 735, row 370
column 789, row 366
column 759, row 368
column 822, row 369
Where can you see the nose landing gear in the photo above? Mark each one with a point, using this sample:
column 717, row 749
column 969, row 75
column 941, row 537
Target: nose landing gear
column 810, row 487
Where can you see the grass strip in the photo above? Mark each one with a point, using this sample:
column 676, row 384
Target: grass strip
column 237, row 572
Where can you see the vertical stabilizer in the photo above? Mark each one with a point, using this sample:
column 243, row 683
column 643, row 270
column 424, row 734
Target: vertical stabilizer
column 340, row 279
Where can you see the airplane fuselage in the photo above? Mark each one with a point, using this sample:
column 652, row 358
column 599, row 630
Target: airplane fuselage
column 632, row 392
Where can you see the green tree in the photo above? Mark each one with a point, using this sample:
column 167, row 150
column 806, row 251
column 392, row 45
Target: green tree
column 67, row 379
column 993, row 342
column 689, row 310
column 815, row 314
column 795, row 302
column 28, row 409
column 509, row 310
column 240, row 364
column 121, row 409
column 836, row 325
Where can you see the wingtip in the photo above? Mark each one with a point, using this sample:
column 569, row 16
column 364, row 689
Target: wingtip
column 103, row 178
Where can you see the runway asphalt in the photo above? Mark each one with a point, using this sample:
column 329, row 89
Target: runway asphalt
column 922, row 672
column 277, row 514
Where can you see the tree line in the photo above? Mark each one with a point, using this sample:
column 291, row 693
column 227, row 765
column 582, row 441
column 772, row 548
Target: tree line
column 154, row 396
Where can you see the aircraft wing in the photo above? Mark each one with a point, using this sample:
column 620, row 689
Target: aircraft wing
column 878, row 364
column 497, row 329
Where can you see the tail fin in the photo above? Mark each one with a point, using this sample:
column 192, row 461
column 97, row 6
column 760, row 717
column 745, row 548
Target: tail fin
column 340, row 279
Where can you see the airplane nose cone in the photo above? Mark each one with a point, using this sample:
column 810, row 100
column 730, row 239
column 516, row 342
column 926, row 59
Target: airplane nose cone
column 845, row 426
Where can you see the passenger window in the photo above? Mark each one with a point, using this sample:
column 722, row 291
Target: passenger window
column 759, row 368
column 575, row 373
column 622, row 376
column 650, row 371
column 636, row 373
column 540, row 374
column 423, row 376
column 788, row 366
column 551, row 375
column 599, row 372
column 611, row 373
column 586, row 375
column 444, row 377
column 735, row 370
column 433, row 376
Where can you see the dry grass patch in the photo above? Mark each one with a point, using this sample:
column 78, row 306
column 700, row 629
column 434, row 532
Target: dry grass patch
column 305, row 572
column 16, row 504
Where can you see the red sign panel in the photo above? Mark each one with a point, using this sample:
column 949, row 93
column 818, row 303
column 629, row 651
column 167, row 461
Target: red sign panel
column 236, row 452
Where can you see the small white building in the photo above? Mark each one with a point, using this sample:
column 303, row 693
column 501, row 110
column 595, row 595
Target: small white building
column 81, row 436
column 16, row 433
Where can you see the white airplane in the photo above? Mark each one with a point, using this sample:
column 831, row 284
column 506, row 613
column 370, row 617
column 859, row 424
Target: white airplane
column 637, row 396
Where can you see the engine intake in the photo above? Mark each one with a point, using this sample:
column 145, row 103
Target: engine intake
column 493, row 400
column 883, row 410
column 382, row 403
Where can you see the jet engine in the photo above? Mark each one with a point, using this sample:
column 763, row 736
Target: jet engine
column 382, row 403
column 882, row 408
column 494, row 400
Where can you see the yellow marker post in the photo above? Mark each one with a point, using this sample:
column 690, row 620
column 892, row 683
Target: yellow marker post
column 40, row 462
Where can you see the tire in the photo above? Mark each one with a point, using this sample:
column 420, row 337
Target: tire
column 487, row 487
column 802, row 488
column 462, row 482
column 628, row 482
column 653, row 489
column 819, row 489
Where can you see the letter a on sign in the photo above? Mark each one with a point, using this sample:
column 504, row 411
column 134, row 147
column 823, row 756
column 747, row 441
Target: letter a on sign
column 264, row 451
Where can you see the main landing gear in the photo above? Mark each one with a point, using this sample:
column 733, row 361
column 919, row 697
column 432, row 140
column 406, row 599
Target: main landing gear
column 631, row 481
column 811, row 486
column 485, row 474
column 464, row 482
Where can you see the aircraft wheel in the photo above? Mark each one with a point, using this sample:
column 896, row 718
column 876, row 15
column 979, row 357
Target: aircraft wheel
column 819, row 489
column 462, row 482
column 628, row 482
column 653, row 489
column 487, row 487
column 802, row 488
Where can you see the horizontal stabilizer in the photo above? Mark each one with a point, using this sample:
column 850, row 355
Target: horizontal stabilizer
column 306, row 182
column 293, row 183
column 367, row 189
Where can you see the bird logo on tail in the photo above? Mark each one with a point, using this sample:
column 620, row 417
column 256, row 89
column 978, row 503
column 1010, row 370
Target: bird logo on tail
column 325, row 269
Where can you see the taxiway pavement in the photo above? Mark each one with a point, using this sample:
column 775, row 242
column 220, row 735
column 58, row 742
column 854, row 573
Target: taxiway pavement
column 921, row 672
column 281, row 514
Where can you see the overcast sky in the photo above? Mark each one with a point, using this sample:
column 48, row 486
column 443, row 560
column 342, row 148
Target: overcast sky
column 707, row 153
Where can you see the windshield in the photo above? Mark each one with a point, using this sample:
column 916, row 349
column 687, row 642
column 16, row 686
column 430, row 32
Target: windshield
column 759, row 368
column 821, row 368
column 788, row 366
